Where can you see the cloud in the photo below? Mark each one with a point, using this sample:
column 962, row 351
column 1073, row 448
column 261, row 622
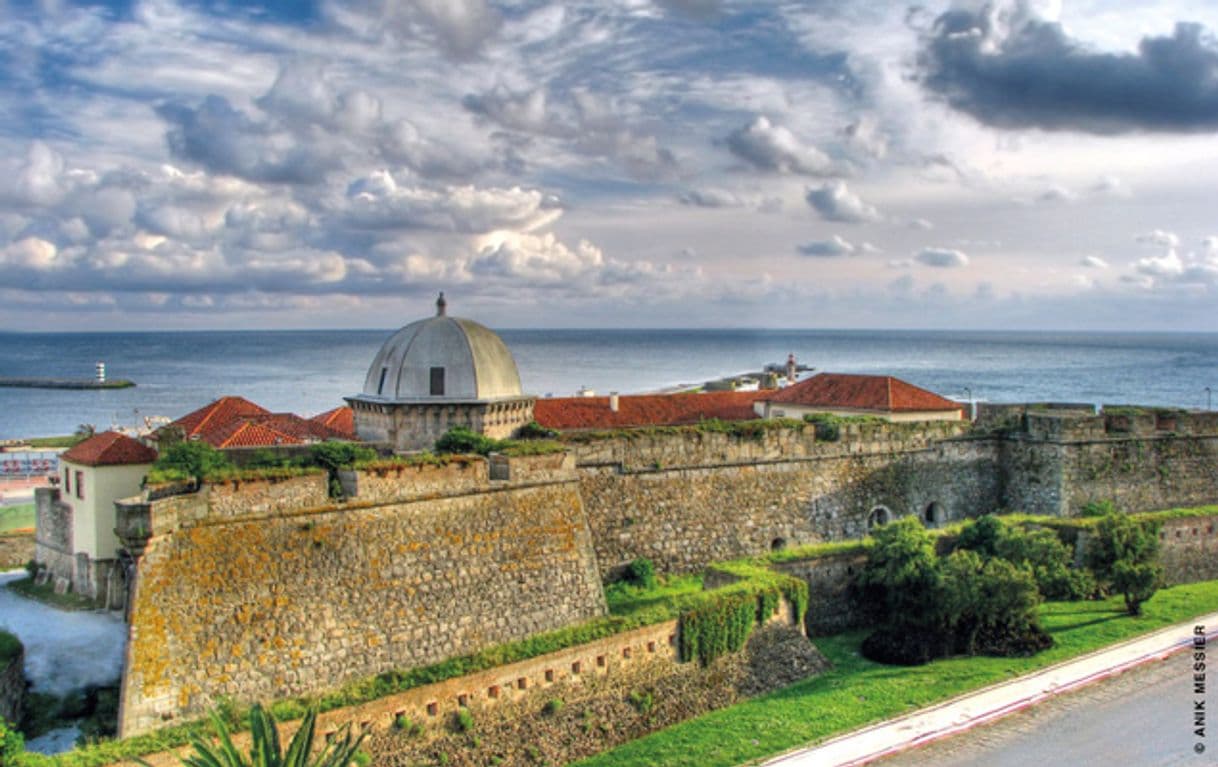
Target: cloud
column 1161, row 238
column 943, row 258
column 771, row 147
column 1093, row 262
column 458, row 27
column 711, row 198
column 921, row 224
column 835, row 202
column 1008, row 68
column 831, row 248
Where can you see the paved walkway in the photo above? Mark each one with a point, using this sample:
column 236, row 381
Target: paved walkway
column 986, row 705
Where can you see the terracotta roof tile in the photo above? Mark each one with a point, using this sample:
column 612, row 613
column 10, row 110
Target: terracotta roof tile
column 566, row 413
column 109, row 449
column 217, row 414
column 267, row 431
column 862, row 392
column 341, row 419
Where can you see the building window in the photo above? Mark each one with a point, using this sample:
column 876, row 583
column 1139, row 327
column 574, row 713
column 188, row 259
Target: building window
column 437, row 382
column 67, row 480
column 380, row 387
column 80, row 485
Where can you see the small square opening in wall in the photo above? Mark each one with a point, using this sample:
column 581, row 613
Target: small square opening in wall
column 463, row 700
column 672, row 639
column 626, row 652
column 1209, row 529
column 549, row 675
column 492, row 691
column 576, row 667
column 329, row 736
column 651, row 647
column 600, row 661
column 522, row 683
column 433, row 708
column 365, row 725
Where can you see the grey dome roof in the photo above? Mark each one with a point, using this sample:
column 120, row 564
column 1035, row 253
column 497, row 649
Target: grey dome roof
column 476, row 363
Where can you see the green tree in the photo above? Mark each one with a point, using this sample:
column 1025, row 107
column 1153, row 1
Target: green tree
column 900, row 582
column 1123, row 554
column 265, row 750
column 191, row 459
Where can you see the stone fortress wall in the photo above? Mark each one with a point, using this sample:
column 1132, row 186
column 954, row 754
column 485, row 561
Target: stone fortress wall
column 261, row 589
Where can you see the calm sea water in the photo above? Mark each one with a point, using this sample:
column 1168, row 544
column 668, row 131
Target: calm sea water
column 310, row 371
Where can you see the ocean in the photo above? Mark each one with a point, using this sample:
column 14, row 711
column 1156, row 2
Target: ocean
column 309, row 371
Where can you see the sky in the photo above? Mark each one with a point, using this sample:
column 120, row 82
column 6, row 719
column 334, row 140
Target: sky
column 1011, row 164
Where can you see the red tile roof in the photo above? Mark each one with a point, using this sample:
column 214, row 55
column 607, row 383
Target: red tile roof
column 341, row 419
column 237, row 422
column 566, row 413
column 217, row 414
column 109, row 449
column 862, row 392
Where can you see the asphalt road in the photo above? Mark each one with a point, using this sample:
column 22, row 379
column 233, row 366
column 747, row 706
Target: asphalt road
column 1142, row 717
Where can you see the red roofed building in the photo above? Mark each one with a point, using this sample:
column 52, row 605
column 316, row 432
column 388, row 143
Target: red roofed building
column 340, row 419
column 232, row 422
column 573, row 413
column 845, row 394
column 74, row 538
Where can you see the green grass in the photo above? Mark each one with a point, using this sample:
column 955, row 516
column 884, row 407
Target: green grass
column 46, row 593
column 626, row 599
column 20, row 517
column 67, row 440
column 858, row 692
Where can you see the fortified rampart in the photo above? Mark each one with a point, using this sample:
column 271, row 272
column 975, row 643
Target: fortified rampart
column 262, row 589
column 266, row 589
column 12, row 686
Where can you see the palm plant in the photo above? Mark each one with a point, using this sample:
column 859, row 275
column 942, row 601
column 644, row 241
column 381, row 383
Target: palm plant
column 265, row 750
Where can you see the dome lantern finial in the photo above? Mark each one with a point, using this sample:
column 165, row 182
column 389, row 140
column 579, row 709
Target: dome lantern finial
column 441, row 305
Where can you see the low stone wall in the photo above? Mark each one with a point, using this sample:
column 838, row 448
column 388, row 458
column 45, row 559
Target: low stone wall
column 16, row 549
column 831, row 606
column 241, row 498
column 12, row 689
column 412, row 482
column 1189, row 550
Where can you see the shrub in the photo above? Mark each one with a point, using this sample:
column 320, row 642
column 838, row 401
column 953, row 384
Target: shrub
column 407, row 726
column 340, row 455
column 463, row 720
column 642, row 573
column 553, row 706
column 534, row 430
column 1123, row 554
column 827, row 427
column 1097, row 509
column 643, row 701
column 12, row 744
column 462, row 440
column 1040, row 550
column 265, row 750
column 190, row 460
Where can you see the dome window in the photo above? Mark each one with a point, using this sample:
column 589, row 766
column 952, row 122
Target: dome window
column 437, row 382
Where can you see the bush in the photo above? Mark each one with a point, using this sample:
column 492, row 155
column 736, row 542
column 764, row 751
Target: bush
column 12, row 745
column 1123, row 554
column 464, row 720
column 1039, row 550
column 1097, row 509
column 828, row 427
column 642, row 573
column 190, row 460
column 462, row 440
column 340, row 455
column 553, row 706
column 534, row 430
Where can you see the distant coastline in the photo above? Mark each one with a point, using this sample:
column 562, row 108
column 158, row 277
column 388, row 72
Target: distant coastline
column 63, row 383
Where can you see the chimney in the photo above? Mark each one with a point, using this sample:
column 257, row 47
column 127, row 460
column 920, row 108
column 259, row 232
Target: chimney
column 441, row 305
column 613, row 403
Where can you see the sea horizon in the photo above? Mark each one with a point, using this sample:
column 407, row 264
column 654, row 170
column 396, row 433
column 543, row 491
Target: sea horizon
column 310, row 371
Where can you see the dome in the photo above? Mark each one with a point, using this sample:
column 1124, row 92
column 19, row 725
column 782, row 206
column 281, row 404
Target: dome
column 442, row 358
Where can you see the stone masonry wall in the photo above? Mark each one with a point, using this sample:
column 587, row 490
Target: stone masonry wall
column 53, row 533
column 302, row 601
column 12, row 689
column 1189, row 550
column 831, row 608
column 685, row 500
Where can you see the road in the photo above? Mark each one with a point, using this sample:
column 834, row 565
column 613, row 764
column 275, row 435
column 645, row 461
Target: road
column 1142, row 717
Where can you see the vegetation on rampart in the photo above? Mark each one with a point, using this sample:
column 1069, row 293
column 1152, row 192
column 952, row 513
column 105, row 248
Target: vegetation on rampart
column 460, row 440
column 826, row 426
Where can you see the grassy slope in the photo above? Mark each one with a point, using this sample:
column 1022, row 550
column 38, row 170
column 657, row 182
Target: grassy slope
column 19, row 517
column 858, row 692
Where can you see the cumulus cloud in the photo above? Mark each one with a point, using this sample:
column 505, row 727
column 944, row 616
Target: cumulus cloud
column 831, row 248
column 1093, row 262
column 835, row 202
column 771, row 147
column 943, row 258
column 711, row 197
column 1006, row 67
column 1161, row 238
column 459, row 27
